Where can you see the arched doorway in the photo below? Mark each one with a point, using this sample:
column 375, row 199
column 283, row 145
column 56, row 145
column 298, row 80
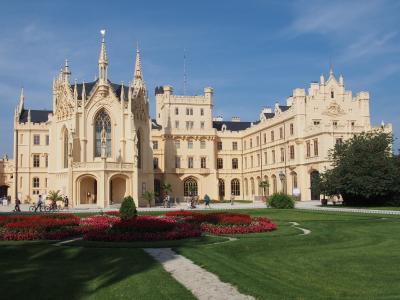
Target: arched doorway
column 3, row 191
column 87, row 190
column 118, row 189
column 157, row 190
column 190, row 187
column 221, row 189
column 274, row 184
column 314, row 182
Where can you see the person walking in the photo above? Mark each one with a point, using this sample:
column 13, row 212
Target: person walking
column 17, row 204
column 66, row 202
column 206, row 201
column 39, row 204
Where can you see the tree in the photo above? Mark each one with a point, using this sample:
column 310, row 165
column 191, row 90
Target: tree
column 128, row 208
column 54, row 196
column 365, row 172
column 167, row 187
column 148, row 196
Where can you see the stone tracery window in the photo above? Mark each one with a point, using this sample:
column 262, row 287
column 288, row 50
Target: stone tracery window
column 235, row 187
column 190, row 187
column 102, row 121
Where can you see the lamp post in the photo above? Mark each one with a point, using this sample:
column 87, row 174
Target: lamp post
column 282, row 178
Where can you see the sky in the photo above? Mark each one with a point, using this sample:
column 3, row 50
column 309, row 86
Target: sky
column 253, row 53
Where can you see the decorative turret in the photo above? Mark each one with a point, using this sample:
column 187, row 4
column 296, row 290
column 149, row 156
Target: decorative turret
column 322, row 79
column 103, row 60
column 21, row 101
column 75, row 91
column 138, row 81
column 83, row 92
column 331, row 75
column 341, row 80
column 66, row 73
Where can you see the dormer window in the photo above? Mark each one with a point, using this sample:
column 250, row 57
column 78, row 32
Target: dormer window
column 317, row 122
column 332, row 94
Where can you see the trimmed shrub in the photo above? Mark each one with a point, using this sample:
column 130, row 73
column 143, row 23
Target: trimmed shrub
column 281, row 200
column 128, row 208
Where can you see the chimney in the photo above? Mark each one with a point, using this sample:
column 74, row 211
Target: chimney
column 218, row 118
column 235, row 119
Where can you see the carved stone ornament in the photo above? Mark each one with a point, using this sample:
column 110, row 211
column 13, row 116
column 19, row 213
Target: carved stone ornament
column 334, row 109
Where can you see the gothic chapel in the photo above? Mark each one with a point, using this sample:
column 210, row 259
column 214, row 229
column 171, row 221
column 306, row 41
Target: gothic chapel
column 102, row 131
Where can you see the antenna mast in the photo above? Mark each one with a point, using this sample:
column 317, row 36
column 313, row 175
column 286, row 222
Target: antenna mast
column 184, row 72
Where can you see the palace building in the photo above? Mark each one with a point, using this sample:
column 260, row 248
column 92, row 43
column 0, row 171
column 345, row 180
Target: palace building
column 98, row 143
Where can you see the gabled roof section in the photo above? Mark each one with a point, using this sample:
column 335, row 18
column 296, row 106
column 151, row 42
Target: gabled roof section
column 283, row 108
column 232, row 126
column 269, row 115
column 37, row 116
column 90, row 85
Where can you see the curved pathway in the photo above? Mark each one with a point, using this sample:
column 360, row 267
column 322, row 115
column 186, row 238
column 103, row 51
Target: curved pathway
column 203, row 284
column 305, row 231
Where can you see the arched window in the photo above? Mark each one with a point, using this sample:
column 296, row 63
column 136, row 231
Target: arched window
column 259, row 187
column 221, row 188
column 252, row 186
column 190, row 187
column 102, row 127
column 294, row 180
column 246, row 187
column 267, row 187
column 65, row 149
column 139, row 149
column 274, row 187
column 235, row 187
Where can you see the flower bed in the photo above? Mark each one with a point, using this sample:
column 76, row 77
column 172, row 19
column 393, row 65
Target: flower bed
column 225, row 222
column 55, row 226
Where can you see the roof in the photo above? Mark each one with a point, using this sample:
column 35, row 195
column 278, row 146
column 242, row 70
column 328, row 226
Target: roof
column 37, row 116
column 90, row 85
column 284, row 107
column 154, row 125
column 269, row 115
column 230, row 125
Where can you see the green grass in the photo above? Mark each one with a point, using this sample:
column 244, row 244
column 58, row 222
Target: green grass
column 363, row 207
column 346, row 256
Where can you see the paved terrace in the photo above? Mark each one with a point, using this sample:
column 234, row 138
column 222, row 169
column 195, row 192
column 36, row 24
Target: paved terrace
column 307, row 205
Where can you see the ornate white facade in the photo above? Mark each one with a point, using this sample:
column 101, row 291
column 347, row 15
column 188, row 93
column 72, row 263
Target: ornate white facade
column 98, row 143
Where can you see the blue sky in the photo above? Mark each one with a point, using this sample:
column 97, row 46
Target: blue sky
column 253, row 53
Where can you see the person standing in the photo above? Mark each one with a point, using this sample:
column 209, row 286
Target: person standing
column 232, row 199
column 17, row 204
column 39, row 204
column 66, row 202
column 206, row 201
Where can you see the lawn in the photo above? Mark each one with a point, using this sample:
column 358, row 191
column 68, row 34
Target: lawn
column 346, row 256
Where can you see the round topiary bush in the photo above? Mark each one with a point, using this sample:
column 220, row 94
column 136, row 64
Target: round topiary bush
column 281, row 200
column 128, row 208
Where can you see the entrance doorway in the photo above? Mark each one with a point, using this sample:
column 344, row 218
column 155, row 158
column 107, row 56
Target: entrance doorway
column 117, row 189
column 88, row 190
column 3, row 191
column 314, row 182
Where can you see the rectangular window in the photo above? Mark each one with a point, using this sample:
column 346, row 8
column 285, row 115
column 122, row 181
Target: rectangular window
column 177, row 144
column 334, row 123
column 265, row 138
column 36, row 139
column 190, row 144
column 155, row 163
column 201, row 111
column 47, row 139
column 308, row 149
column 317, row 122
column 176, row 111
column 315, row 147
column 251, row 143
column 291, row 129
column 36, row 161
column 190, row 162
column 177, row 162
column 251, row 161
column 234, row 146
column 202, row 144
column 258, row 141
column 291, row 151
column 155, row 145
column 21, row 159
column 258, row 160
column 46, row 160
column 245, row 145
column 220, row 163
column 203, row 164
column 281, row 133
column 245, row 162
column 265, row 158
column 339, row 141
column 46, row 183
column 235, row 163
column 219, row 145
column 201, row 125
column 176, row 124
column 189, row 111
column 35, row 182
column 282, row 154
column 273, row 156
column 189, row 124
column 272, row 136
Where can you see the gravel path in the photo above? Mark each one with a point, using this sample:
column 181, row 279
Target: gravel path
column 203, row 284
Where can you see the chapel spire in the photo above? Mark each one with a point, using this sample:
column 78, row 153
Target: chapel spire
column 138, row 75
column 103, row 60
column 66, row 72
column 21, row 100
